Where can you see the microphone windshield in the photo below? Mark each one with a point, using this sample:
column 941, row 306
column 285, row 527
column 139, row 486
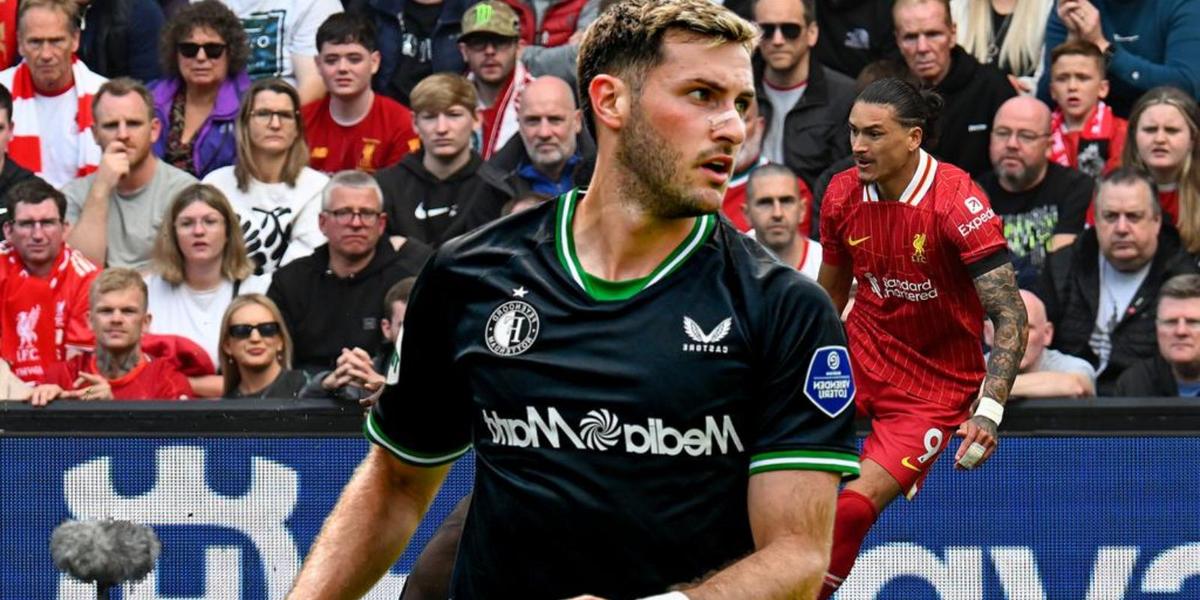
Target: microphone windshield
column 104, row 551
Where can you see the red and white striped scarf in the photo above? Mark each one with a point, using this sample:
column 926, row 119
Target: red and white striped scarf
column 1100, row 125
column 504, row 122
column 26, row 144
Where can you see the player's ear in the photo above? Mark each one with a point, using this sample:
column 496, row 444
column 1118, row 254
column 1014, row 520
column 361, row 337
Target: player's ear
column 915, row 136
column 1103, row 92
column 610, row 100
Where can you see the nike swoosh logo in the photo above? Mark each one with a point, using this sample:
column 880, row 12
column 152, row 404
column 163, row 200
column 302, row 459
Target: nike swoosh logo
column 423, row 214
column 904, row 461
column 854, row 242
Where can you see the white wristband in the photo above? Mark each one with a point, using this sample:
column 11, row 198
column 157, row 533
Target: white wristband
column 667, row 596
column 991, row 409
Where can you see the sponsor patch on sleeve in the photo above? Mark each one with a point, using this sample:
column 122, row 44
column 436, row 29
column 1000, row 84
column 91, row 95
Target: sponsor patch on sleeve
column 828, row 383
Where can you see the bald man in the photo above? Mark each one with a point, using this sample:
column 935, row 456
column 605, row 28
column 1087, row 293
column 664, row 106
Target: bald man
column 545, row 156
column 1043, row 204
column 1047, row 373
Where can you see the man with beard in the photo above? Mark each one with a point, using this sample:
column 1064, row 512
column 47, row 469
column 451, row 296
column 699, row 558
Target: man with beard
column 1041, row 203
column 551, row 152
column 489, row 44
column 603, row 353
column 117, row 210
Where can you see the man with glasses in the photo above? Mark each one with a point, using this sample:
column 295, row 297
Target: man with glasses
column 489, row 46
column 51, row 91
column 1101, row 292
column 803, row 103
column 117, row 210
column 1175, row 370
column 331, row 300
column 1041, row 203
column 972, row 92
column 43, row 284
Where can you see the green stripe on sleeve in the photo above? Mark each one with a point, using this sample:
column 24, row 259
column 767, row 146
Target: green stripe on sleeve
column 805, row 460
column 375, row 434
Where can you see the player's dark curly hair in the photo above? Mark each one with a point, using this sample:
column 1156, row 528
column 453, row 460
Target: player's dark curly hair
column 913, row 107
column 208, row 14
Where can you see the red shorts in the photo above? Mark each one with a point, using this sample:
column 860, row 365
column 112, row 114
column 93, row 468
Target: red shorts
column 908, row 434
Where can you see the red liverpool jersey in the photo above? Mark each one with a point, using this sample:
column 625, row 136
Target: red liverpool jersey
column 150, row 379
column 379, row 140
column 40, row 317
column 917, row 322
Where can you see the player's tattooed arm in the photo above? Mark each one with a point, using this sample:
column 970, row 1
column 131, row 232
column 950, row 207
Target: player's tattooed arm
column 1001, row 299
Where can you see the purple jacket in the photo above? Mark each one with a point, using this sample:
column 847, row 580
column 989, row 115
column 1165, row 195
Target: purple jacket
column 214, row 145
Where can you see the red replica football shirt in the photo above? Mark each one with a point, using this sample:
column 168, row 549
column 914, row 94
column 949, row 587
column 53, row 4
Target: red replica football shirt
column 917, row 322
column 40, row 317
column 379, row 140
column 151, row 379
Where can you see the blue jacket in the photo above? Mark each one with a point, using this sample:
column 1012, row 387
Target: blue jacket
column 1155, row 43
column 214, row 145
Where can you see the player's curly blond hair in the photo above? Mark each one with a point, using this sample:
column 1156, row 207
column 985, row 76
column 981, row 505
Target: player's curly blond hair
column 626, row 41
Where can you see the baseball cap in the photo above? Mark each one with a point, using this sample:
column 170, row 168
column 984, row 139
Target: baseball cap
column 490, row 16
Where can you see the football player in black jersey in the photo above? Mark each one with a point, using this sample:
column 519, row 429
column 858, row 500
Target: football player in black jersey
column 658, row 408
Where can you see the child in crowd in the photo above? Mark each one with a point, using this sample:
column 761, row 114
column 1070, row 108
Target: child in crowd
column 1084, row 132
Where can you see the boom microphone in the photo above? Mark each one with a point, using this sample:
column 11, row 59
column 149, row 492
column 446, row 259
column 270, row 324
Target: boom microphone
column 105, row 552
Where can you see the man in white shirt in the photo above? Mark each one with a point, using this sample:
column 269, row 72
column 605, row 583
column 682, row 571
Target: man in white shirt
column 118, row 209
column 51, row 91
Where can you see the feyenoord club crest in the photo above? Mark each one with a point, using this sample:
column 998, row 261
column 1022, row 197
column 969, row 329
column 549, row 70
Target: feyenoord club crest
column 512, row 328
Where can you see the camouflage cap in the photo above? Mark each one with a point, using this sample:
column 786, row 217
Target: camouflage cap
column 492, row 17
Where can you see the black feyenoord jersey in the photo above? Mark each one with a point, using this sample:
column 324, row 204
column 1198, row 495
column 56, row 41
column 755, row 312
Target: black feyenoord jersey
column 615, row 425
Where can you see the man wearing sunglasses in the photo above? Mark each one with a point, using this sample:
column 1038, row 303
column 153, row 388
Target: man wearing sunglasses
column 803, row 103
column 489, row 43
column 331, row 300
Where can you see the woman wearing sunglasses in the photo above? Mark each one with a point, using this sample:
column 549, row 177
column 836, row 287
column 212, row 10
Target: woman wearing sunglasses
column 204, row 51
column 200, row 265
column 256, row 351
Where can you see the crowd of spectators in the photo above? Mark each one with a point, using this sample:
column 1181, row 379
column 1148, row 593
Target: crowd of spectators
column 232, row 198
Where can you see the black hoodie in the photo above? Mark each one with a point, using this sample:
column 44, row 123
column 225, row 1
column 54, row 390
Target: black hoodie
column 422, row 207
column 326, row 313
column 973, row 93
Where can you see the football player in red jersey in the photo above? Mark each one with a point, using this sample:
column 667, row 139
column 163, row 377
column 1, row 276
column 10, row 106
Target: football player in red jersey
column 931, row 261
